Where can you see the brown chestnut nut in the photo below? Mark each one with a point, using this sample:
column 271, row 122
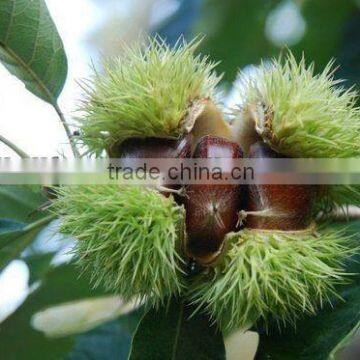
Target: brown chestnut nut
column 211, row 209
column 136, row 148
column 153, row 148
column 278, row 207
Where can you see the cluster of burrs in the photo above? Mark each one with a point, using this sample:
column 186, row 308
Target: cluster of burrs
column 240, row 253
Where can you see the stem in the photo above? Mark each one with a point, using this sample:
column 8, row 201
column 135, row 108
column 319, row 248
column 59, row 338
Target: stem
column 67, row 130
column 269, row 212
column 165, row 189
column 13, row 147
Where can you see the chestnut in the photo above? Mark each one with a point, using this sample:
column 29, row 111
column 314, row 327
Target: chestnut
column 278, row 207
column 211, row 209
column 142, row 148
column 153, row 148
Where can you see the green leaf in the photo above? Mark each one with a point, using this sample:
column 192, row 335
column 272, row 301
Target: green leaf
column 170, row 333
column 108, row 341
column 18, row 340
column 21, row 221
column 316, row 338
column 320, row 336
column 21, row 202
column 31, row 48
column 12, row 244
column 7, row 226
column 8, row 236
column 39, row 265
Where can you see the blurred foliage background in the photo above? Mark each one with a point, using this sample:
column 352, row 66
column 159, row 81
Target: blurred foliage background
column 239, row 33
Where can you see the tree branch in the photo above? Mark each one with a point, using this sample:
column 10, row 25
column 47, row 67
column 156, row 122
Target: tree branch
column 13, row 147
column 67, row 130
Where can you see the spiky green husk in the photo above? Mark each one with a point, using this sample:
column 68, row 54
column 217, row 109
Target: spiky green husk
column 344, row 195
column 127, row 237
column 303, row 114
column 339, row 196
column 147, row 91
column 270, row 274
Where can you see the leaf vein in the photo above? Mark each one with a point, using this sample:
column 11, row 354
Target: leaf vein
column 36, row 36
column 10, row 22
column 36, row 79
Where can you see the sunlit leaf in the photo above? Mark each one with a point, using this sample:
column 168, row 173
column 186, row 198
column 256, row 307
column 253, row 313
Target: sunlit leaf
column 30, row 47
